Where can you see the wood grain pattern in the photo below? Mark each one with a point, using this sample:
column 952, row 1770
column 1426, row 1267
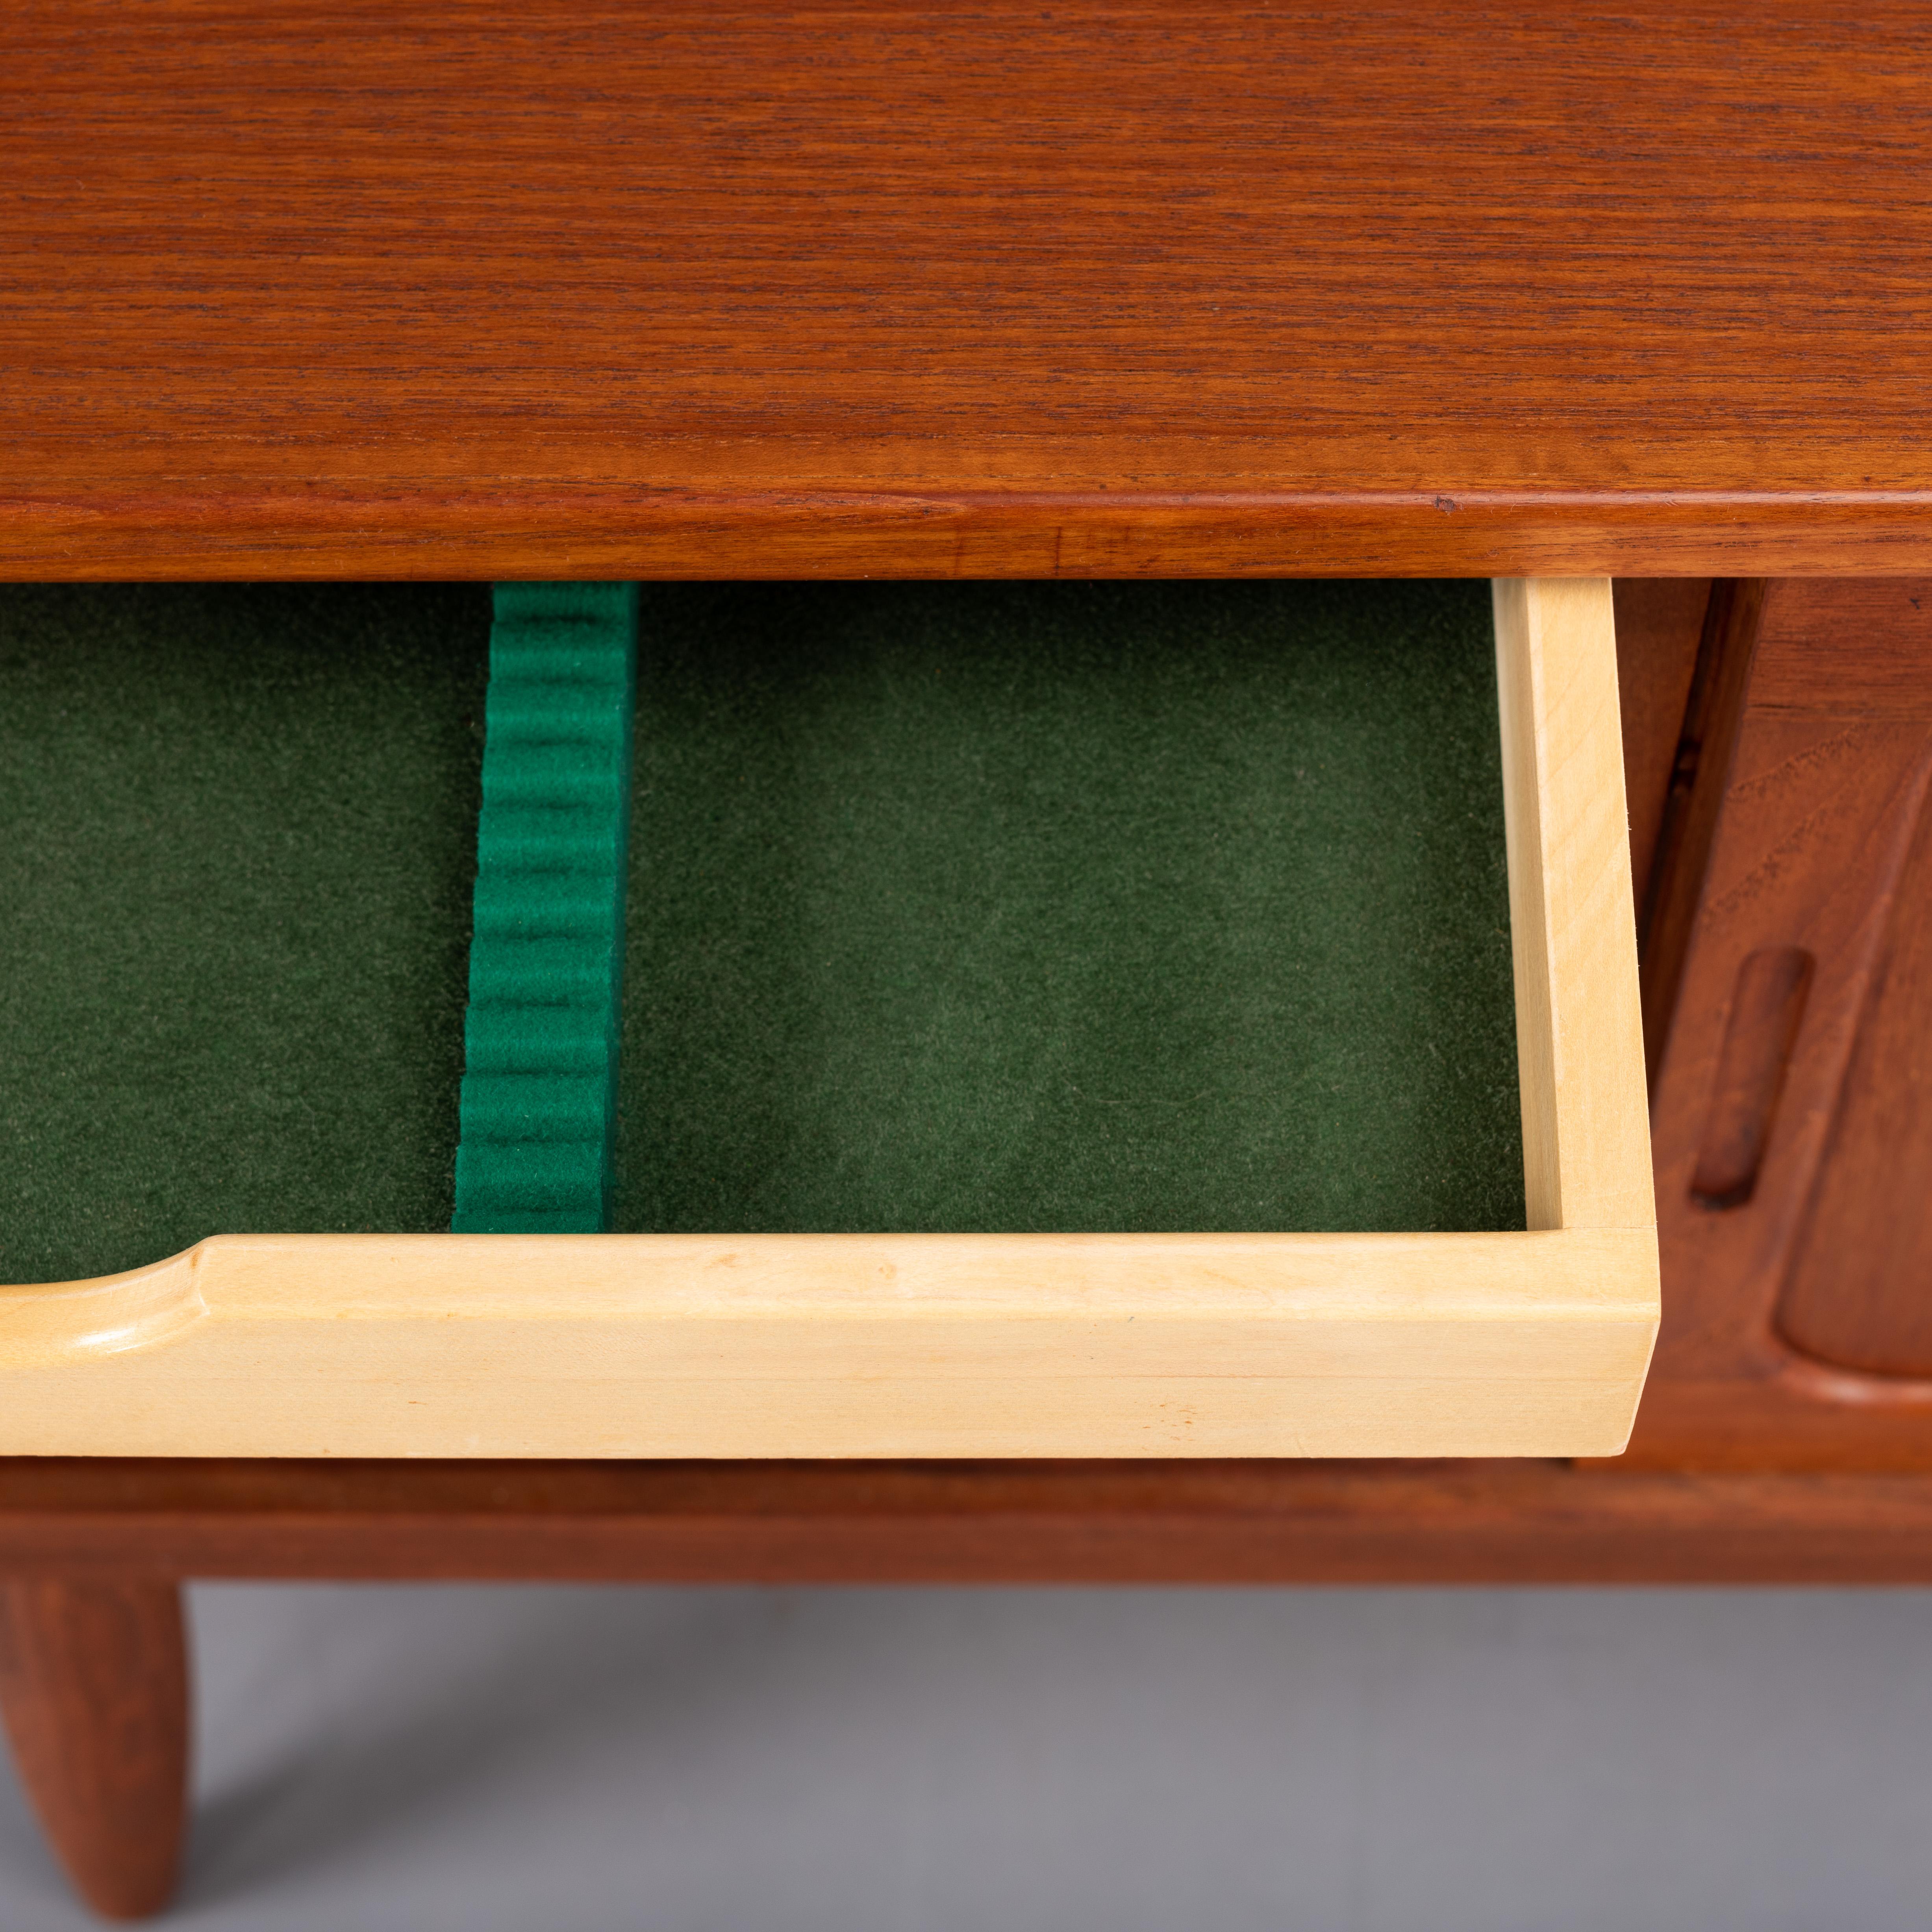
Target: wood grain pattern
column 1573, row 933
column 963, row 1522
column 1660, row 625
column 938, row 1344
column 1144, row 287
column 93, row 1691
column 1817, row 842
column 1856, row 1296
column 1681, row 864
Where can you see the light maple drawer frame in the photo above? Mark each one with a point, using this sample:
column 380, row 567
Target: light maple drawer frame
column 1532, row 1343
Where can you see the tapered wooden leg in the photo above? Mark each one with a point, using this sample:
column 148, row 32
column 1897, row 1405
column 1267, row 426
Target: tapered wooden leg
column 94, row 1690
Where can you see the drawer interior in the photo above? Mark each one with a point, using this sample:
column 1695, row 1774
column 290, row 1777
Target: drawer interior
column 1051, row 907
column 1020, row 907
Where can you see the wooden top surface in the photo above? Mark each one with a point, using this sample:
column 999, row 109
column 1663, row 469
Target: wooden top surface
column 381, row 288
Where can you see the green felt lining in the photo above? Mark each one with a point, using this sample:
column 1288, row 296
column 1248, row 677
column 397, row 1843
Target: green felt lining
column 1035, row 907
column 238, row 828
column 539, row 1093
column 1121, row 905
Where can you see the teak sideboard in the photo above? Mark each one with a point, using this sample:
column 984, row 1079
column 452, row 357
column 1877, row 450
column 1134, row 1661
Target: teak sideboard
column 1130, row 291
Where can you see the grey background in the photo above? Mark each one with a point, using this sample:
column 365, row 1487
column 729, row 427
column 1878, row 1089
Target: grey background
column 549, row 1759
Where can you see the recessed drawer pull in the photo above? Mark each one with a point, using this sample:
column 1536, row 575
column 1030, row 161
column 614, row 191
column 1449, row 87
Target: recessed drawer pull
column 1766, row 1011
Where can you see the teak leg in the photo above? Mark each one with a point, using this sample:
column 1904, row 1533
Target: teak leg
column 94, row 1690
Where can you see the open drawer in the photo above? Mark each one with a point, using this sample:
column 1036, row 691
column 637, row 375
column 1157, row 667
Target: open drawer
column 1524, row 1330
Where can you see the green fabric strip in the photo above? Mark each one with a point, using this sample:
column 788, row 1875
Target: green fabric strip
column 546, row 957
